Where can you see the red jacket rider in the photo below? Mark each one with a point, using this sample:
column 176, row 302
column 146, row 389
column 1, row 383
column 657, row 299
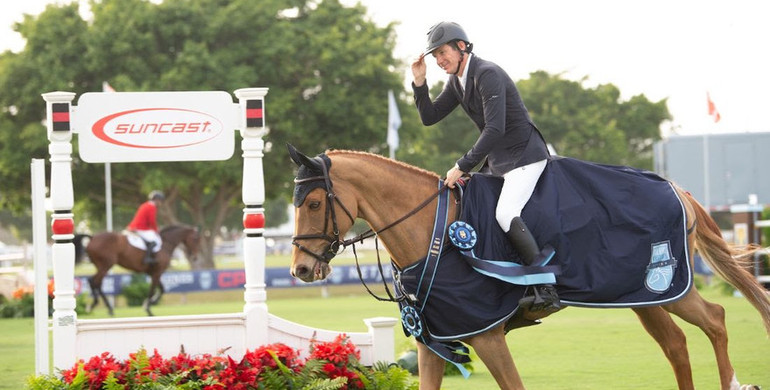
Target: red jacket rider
column 145, row 225
column 145, row 217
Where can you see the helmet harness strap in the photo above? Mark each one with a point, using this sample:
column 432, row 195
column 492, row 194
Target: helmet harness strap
column 462, row 58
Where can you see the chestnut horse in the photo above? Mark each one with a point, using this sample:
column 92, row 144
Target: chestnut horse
column 109, row 248
column 388, row 194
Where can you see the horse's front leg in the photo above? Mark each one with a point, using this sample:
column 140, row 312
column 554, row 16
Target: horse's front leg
column 156, row 291
column 95, row 290
column 430, row 367
column 148, row 301
column 159, row 291
column 493, row 351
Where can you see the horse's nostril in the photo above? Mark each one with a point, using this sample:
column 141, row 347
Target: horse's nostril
column 300, row 271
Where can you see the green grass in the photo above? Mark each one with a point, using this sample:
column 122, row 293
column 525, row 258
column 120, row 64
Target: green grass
column 574, row 349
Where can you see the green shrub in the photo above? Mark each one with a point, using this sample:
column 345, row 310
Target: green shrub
column 22, row 304
column 18, row 307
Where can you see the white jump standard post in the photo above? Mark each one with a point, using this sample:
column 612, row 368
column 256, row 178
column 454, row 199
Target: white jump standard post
column 253, row 128
column 58, row 107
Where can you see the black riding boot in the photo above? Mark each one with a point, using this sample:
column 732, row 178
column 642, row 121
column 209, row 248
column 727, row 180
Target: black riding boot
column 149, row 257
column 544, row 296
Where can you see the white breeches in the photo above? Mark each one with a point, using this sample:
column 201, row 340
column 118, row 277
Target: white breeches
column 518, row 186
column 151, row 236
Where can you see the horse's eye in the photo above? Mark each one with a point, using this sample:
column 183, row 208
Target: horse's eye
column 314, row 205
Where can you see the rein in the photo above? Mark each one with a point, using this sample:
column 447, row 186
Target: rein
column 371, row 233
column 333, row 249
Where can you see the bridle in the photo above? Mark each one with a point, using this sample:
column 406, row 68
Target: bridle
column 336, row 244
column 334, row 240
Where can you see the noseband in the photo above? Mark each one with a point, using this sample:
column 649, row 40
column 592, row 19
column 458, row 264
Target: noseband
column 335, row 243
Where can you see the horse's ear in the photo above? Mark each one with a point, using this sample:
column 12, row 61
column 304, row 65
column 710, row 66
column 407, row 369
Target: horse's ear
column 301, row 159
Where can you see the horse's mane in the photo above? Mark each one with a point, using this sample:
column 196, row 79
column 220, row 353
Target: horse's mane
column 174, row 227
column 333, row 152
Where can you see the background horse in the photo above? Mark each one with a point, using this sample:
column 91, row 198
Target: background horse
column 109, row 248
column 380, row 190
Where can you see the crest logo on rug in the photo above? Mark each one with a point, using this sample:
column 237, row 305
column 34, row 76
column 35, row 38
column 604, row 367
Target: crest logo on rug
column 660, row 271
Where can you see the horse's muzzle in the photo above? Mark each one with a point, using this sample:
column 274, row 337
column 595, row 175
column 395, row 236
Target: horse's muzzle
column 318, row 271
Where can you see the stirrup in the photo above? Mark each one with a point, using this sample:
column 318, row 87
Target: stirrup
column 543, row 299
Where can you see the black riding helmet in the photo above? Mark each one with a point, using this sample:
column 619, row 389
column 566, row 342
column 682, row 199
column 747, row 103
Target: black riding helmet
column 156, row 195
column 445, row 32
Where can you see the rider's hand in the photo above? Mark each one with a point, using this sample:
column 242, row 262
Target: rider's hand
column 418, row 71
column 452, row 176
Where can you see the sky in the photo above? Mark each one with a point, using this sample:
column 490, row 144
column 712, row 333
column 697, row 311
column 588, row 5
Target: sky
column 664, row 49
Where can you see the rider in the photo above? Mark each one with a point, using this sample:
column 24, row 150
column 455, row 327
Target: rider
column 145, row 224
column 509, row 141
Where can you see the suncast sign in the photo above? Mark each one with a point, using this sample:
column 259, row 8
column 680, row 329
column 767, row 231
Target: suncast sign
column 155, row 126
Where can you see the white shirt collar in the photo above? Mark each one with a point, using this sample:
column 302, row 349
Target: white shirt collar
column 464, row 77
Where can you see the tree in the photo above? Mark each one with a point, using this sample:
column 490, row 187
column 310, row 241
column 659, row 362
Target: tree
column 593, row 123
column 439, row 146
column 328, row 69
column 48, row 63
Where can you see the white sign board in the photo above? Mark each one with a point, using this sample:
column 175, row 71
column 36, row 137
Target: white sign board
column 155, row 126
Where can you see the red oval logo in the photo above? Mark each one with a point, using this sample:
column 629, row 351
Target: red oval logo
column 157, row 128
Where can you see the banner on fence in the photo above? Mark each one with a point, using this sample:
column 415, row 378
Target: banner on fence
column 212, row 280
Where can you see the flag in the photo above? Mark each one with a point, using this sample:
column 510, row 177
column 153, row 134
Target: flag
column 712, row 109
column 106, row 87
column 394, row 122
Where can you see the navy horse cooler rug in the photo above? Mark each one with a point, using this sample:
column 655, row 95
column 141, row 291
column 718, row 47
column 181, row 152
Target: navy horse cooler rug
column 619, row 234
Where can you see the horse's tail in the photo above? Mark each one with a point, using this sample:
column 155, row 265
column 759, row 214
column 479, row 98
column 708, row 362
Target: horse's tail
column 730, row 262
column 80, row 247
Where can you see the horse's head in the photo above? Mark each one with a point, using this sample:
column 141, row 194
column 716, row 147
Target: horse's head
column 321, row 218
column 192, row 244
column 188, row 236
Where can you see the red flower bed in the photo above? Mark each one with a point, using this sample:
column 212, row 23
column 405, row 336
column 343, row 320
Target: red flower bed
column 339, row 355
column 270, row 366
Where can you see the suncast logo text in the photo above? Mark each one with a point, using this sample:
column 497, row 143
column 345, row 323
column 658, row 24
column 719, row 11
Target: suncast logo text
column 157, row 128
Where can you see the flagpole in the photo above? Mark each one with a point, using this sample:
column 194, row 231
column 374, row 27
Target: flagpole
column 108, row 194
column 706, row 181
column 716, row 117
column 108, row 177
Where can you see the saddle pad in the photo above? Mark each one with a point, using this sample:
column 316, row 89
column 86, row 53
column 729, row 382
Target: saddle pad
column 620, row 233
column 137, row 242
